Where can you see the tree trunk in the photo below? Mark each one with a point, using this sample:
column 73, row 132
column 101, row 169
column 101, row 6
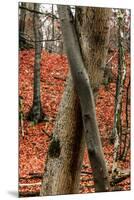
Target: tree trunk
column 84, row 91
column 22, row 27
column 93, row 30
column 118, row 102
column 22, row 19
column 62, row 174
column 26, row 32
column 64, row 159
column 127, row 103
column 36, row 113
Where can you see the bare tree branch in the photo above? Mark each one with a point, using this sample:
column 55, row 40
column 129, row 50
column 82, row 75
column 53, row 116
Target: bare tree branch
column 26, row 36
column 38, row 12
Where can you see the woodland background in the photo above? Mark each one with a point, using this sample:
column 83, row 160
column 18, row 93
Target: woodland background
column 35, row 137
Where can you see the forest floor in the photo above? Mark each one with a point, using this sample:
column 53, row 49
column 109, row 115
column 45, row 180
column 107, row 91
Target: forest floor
column 33, row 146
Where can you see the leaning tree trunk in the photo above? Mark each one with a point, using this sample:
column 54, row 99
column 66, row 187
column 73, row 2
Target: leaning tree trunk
column 63, row 165
column 84, row 92
column 62, row 172
column 36, row 113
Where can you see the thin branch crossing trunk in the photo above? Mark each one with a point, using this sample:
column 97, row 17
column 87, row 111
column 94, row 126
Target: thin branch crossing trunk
column 65, row 154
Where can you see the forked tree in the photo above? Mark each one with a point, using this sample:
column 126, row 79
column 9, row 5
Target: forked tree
column 86, row 41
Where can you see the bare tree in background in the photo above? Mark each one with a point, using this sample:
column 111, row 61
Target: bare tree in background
column 26, row 32
column 36, row 113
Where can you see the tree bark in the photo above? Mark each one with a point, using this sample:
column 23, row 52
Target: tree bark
column 64, row 159
column 118, row 101
column 92, row 25
column 22, row 26
column 84, row 91
column 62, row 174
column 26, row 27
column 21, row 116
column 127, row 103
column 36, row 114
column 22, row 19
